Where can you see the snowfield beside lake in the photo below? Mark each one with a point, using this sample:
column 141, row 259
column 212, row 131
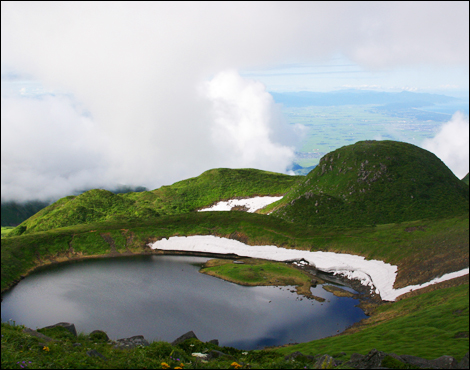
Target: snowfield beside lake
column 380, row 276
column 252, row 204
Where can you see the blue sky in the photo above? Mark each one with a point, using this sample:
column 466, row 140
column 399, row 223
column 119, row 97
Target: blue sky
column 340, row 73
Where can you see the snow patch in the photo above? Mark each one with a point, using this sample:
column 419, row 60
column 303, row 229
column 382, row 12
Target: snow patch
column 252, row 204
column 380, row 276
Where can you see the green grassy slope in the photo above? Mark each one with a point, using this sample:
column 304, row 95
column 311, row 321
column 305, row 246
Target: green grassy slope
column 374, row 182
column 422, row 249
column 215, row 185
column 465, row 179
column 430, row 325
column 181, row 197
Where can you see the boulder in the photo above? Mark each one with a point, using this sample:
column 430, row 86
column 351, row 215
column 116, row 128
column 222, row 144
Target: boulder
column 132, row 342
column 356, row 357
column 95, row 353
column 374, row 359
column 445, row 362
column 98, row 335
column 325, row 362
column 299, row 356
column 417, row 361
column 214, row 341
column 463, row 364
column 70, row 327
column 188, row 335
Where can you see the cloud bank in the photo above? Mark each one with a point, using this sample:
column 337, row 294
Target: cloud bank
column 159, row 86
column 451, row 144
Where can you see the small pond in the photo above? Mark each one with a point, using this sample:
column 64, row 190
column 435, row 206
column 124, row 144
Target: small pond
column 163, row 297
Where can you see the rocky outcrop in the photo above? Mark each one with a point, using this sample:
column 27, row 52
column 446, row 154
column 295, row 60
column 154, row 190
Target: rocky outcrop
column 181, row 339
column 381, row 360
column 66, row 325
column 132, row 342
column 375, row 359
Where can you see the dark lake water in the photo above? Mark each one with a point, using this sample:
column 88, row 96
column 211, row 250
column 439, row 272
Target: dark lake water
column 163, row 297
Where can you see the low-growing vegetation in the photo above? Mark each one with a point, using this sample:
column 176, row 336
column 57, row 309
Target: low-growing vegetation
column 6, row 230
column 430, row 325
column 181, row 197
column 256, row 272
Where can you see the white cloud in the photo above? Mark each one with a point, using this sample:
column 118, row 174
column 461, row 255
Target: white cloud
column 248, row 126
column 451, row 144
column 138, row 67
column 49, row 149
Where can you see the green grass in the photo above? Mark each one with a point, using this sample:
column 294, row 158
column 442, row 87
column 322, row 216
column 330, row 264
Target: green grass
column 255, row 272
column 181, row 197
column 427, row 326
column 371, row 183
column 443, row 241
column 465, row 179
column 19, row 348
column 6, row 230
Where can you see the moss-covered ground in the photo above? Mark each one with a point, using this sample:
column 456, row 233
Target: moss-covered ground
column 255, row 272
column 372, row 183
column 182, row 197
column 6, row 230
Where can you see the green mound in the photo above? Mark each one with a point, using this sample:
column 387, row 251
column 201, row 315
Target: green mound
column 374, row 182
column 91, row 206
column 181, row 197
column 465, row 179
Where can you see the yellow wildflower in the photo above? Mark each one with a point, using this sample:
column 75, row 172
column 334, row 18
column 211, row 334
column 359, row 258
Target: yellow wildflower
column 235, row 365
column 165, row 365
column 45, row 349
column 177, row 367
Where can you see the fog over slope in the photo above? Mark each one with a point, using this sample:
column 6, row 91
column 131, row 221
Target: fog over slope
column 149, row 93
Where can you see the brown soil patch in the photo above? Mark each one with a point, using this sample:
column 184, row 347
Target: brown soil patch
column 337, row 291
column 445, row 284
column 417, row 270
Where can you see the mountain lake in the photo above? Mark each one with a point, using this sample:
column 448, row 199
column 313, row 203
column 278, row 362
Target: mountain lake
column 163, row 297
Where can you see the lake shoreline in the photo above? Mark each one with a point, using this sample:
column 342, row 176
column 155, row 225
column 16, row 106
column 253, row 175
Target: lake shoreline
column 367, row 299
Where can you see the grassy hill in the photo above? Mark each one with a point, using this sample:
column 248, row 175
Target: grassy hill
column 14, row 212
column 465, row 179
column 374, row 182
column 181, row 197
